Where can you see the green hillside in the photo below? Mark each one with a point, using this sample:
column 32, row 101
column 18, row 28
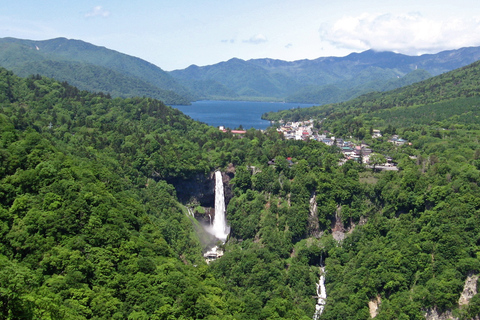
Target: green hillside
column 91, row 226
column 92, row 68
column 417, row 249
column 347, row 90
column 463, row 82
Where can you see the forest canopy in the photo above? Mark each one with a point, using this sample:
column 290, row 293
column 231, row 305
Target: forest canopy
column 91, row 226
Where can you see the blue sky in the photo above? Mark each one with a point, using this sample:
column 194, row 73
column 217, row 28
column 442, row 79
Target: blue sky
column 177, row 33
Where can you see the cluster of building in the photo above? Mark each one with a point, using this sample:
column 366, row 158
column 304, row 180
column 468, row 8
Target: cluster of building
column 396, row 140
column 303, row 130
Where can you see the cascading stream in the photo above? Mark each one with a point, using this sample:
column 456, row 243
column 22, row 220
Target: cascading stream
column 321, row 295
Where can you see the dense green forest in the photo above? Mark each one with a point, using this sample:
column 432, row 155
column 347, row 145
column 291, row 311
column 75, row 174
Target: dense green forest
column 92, row 68
column 91, row 228
column 419, row 243
column 463, row 82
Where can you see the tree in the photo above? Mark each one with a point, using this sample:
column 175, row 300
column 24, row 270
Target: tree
column 376, row 159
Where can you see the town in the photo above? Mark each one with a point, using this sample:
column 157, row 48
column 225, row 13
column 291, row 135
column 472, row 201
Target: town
column 360, row 152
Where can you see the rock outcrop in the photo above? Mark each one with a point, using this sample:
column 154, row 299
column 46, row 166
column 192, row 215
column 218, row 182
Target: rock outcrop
column 338, row 229
column 200, row 189
column 313, row 225
column 373, row 306
column 469, row 289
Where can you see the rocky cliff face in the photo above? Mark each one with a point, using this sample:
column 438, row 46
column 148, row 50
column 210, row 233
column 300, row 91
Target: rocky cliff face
column 200, row 191
column 434, row 314
column 313, row 226
column 374, row 305
column 339, row 230
column 469, row 290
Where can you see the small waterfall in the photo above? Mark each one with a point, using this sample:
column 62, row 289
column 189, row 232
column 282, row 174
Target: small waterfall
column 321, row 295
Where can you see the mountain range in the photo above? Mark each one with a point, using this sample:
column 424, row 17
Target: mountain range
column 319, row 81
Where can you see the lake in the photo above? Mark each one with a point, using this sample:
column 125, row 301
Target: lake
column 232, row 114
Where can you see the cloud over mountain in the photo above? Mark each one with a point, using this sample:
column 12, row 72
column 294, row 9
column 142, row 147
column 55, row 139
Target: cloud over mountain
column 408, row 33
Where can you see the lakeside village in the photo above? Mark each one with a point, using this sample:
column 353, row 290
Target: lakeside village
column 303, row 130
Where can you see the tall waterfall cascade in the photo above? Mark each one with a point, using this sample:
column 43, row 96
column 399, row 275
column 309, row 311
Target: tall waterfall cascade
column 219, row 228
column 321, row 295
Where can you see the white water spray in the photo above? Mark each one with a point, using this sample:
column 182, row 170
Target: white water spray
column 321, row 295
column 219, row 228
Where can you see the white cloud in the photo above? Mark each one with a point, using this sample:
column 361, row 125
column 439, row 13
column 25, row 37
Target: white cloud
column 409, row 34
column 97, row 11
column 256, row 39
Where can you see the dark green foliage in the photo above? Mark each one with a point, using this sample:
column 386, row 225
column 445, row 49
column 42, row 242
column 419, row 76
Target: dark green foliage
column 85, row 230
column 90, row 228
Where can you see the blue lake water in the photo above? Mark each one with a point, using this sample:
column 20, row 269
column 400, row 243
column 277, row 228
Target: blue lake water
column 232, row 114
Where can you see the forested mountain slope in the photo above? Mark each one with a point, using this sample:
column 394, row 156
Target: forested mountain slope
column 91, row 67
column 91, row 228
column 319, row 81
column 463, row 82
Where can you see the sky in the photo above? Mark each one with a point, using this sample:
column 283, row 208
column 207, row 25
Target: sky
column 175, row 34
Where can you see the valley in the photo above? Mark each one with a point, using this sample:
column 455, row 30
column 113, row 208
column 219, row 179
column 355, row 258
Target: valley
column 102, row 200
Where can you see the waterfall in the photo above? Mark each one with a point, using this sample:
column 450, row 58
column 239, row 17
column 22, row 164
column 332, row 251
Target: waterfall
column 321, row 295
column 219, row 228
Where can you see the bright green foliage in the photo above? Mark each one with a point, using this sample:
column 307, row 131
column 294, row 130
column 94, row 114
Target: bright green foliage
column 91, row 228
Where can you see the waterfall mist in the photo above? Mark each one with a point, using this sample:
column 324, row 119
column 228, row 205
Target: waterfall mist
column 219, row 228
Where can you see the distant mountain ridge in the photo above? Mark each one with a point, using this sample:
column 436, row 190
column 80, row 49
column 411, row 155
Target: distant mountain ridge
column 458, row 84
column 91, row 67
column 323, row 80
column 319, row 81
